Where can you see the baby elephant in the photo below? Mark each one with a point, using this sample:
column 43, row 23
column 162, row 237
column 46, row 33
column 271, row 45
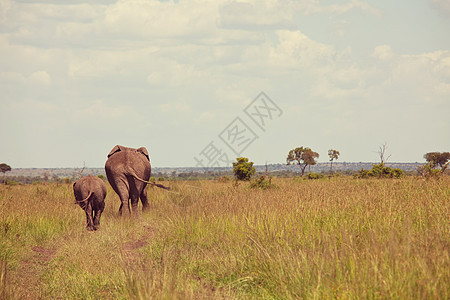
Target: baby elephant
column 90, row 193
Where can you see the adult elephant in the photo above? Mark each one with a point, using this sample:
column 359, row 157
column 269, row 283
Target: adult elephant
column 128, row 171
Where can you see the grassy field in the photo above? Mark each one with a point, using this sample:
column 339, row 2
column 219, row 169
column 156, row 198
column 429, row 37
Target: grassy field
column 331, row 238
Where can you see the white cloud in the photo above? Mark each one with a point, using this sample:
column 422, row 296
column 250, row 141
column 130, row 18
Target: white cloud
column 310, row 7
column 256, row 15
column 232, row 94
column 155, row 78
column 12, row 78
column 424, row 77
column 177, row 107
column 442, row 65
column 340, row 82
column 383, row 52
column 37, row 107
column 135, row 19
column 344, row 8
column 5, row 6
column 206, row 116
column 295, row 49
column 168, row 61
column 103, row 63
column 99, row 109
column 40, row 77
column 126, row 24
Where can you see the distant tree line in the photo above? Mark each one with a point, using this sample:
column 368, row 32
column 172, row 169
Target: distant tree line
column 436, row 165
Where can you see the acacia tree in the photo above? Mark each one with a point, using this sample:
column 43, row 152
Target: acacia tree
column 304, row 157
column 3, row 169
column 438, row 159
column 333, row 154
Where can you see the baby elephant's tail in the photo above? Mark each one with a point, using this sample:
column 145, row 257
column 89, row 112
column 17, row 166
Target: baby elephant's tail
column 84, row 201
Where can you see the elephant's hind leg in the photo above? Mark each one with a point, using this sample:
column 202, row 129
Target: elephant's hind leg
column 144, row 199
column 98, row 214
column 89, row 220
column 134, row 202
column 121, row 187
column 134, row 195
column 124, row 196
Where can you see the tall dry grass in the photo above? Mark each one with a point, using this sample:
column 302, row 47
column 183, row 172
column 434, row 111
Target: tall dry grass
column 338, row 238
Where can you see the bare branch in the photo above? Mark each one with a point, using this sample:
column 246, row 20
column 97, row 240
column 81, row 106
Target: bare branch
column 79, row 173
column 382, row 153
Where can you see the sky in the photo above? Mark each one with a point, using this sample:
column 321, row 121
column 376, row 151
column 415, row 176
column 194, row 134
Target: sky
column 201, row 82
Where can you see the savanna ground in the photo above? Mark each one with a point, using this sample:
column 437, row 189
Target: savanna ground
column 331, row 238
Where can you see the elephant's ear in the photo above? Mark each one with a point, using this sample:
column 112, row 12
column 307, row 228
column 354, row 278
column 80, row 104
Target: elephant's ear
column 116, row 148
column 144, row 151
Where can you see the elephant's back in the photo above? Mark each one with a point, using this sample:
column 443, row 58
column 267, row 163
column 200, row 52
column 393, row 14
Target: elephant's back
column 89, row 184
column 127, row 162
column 98, row 187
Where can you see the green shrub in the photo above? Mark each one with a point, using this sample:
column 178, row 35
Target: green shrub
column 314, row 176
column 362, row 174
column 11, row 182
column 380, row 171
column 429, row 171
column 398, row 172
column 262, row 183
column 243, row 169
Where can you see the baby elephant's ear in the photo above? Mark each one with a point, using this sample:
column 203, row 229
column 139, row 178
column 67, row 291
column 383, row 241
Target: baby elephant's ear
column 114, row 150
column 144, row 151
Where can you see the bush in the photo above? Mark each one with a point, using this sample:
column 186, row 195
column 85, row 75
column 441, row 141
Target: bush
column 362, row 174
column 314, row 176
column 335, row 174
column 429, row 171
column 243, row 169
column 11, row 182
column 398, row 173
column 380, row 171
column 262, row 183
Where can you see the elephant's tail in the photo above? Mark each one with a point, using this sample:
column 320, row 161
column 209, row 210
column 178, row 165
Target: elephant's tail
column 152, row 183
column 84, row 201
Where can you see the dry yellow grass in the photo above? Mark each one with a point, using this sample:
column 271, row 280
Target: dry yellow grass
column 338, row 238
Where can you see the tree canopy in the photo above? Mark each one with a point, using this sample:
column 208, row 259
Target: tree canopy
column 304, row 157
column 4, row 168
column 440, row 159
column 243, row 169
column 333, row 154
